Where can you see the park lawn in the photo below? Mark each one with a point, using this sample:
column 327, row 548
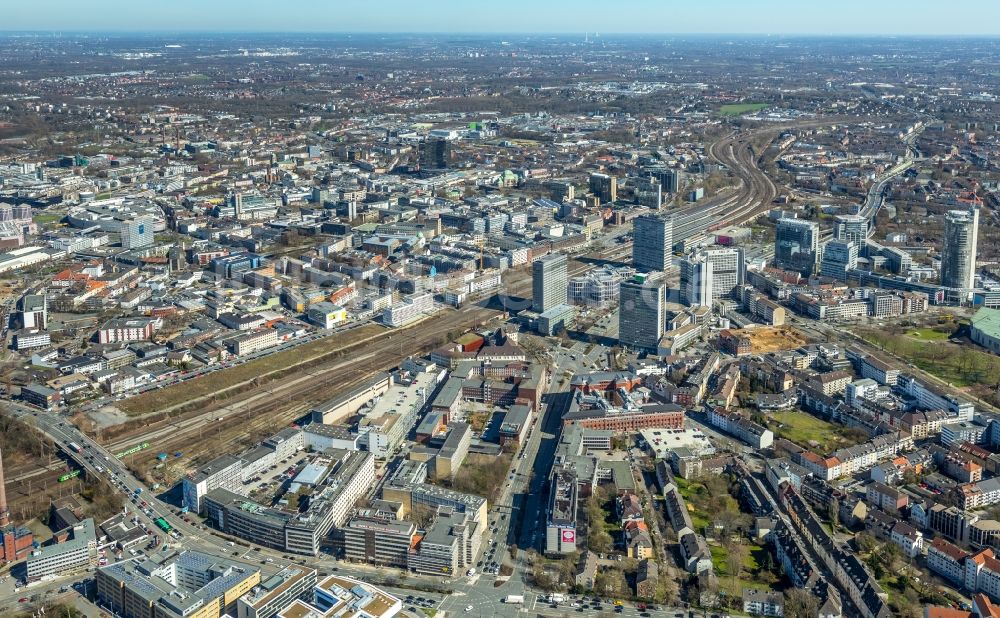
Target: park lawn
column 960, row 365
column 49, row 217
column 695, row 496
column 755, row 557
column 747, row 579
column 806, row 429
column 751, row 564
column 735, row 109
column 719, row 555
column 927, row 334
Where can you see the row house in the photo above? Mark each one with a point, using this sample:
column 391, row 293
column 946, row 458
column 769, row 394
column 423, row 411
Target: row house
column 831, row 383
column 848, row 570
column 752, row 433
column 922, row 424
column 977, row 495
column 961, row 469
column 946, row 560
column 886, row 498
column 863, row 456
column 988, row 460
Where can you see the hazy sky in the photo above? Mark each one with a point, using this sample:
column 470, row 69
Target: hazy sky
column 970, row 17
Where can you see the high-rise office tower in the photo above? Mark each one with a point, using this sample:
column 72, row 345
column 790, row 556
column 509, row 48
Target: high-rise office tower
column 137, row 233
column 839, row 256
column 605, row 187
column 562, row 191
column 852, row 228
column 711, row 274
column 796, row 245
column 652, row 243
column 648, row 193
column 436, row 153
column 641, row 315
column 958, row 256
column 668, row 177
column 548, row 282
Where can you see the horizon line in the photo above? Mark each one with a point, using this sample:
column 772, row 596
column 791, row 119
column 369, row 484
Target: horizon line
column 165, row 31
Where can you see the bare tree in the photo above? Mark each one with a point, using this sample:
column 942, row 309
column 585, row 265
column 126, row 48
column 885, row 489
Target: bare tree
column 800, row 603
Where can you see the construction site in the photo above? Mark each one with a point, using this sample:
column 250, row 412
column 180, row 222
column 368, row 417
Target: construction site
column 764, row 339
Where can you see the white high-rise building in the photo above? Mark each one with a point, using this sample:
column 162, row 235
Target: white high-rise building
column 851, row 228
column 711, row 274
column 958, row 256
column 839, row 256
column 137, row 233
column 548, row 282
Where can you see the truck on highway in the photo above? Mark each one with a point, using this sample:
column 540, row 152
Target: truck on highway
column 557, row 598
column 75, row 447
column 514, row 599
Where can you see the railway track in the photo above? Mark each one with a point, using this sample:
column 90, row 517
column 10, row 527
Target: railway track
column 275, row 405
column 264, row 408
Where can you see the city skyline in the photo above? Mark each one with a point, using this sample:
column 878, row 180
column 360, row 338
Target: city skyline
column 768, row 17
column 404, row 323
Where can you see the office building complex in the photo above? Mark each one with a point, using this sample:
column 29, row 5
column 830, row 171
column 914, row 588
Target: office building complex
column 668, row 177
column 386, row 423
column 376, row 541
column 408, row 486
column 336, row 596
column 711, row 274
column 796, row 245
column 175, row 585
column 448, row 546
column 436, row 153
column 76, row 554
column 649, row 193
column 851, row 228
column 32, row 312
column 555, row 319
column 604, row 187
column 225, row 472
column 653, row 242
column 641, row 314
column 333, row 483
column 412, row 309
column 560, row 525
column 247, row 206
column 548, row 282
column 599, row 287
column 137, row 233
column 958, row 256
column 839, row 257
column 277, row 592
